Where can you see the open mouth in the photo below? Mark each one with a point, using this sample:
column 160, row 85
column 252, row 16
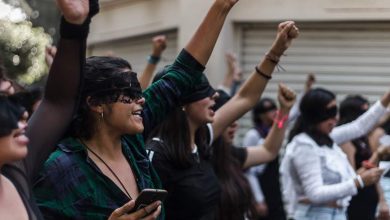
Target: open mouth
column 21, row 138
column 211, row 107
column 137, row 114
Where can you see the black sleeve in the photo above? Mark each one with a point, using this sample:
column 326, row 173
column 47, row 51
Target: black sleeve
column 240, row 154
column 49, row 123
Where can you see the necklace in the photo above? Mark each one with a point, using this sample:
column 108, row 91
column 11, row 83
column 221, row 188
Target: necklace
column 108, row 167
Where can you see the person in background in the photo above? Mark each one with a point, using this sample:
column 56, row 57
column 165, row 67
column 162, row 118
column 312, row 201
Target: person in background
column 320, row 178
column 159, row 45
column 6, row 85
column 233, row 77
column 30, row 99
column 50, row 53
column 102, row 164
column 359, row 152
column 24, row 148
column 236, row 200
column 264, row 179
column 182, row 158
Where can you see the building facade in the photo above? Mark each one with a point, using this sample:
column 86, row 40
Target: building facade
column 345, row 43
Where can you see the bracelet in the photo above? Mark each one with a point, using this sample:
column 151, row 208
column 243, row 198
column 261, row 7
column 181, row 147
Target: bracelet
column 360, row 181
column 367, row 164
column 272, row 57
column 258, row 71
column 280, row 119
column 153, row 59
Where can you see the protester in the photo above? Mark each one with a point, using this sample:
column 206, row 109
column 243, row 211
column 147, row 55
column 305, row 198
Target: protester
column 182, row 158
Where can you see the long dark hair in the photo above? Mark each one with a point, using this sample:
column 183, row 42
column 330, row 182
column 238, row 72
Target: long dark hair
column 313, row 111
column 102, row 75
column 263, row 106
column 351, row 108
column 174, row 131
column 236, row 199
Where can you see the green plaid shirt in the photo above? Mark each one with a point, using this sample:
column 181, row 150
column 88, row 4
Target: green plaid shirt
column 71, row 186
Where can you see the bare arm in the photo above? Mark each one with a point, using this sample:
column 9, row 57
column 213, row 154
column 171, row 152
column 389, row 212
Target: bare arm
column 373, row 138
column 159, row 45
column 383, row 207
column 50, row 53
column 203, row 41
column 233, row 77
column 250, row 92
column 274, row 139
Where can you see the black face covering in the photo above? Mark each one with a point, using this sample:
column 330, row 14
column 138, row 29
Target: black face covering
column 321, row 115
column 109, row 90
column 201, row 91
column 10, row 113
column 267, row 106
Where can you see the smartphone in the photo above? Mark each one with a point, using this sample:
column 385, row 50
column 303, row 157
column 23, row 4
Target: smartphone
column 147, row 197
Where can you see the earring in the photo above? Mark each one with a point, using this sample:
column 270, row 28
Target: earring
column 183, row 109
column 101, row 116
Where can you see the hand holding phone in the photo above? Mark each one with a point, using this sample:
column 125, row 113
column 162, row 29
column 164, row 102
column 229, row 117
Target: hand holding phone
column 123, row 212
column 147, row 197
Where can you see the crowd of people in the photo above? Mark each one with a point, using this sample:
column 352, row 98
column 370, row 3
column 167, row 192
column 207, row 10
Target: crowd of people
column 98, row 134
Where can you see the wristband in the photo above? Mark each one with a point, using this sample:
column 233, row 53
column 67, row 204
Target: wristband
column 360, row 181
column 367, row 164
column 272, row 57
column 280, row 119
column 265, row 76
column 153, row 59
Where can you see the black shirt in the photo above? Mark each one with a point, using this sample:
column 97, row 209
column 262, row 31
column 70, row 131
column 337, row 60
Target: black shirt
column 194, row 192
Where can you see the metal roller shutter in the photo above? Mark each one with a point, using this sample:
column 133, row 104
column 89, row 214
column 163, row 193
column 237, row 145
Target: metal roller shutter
column 347, row 58
column 136, row 49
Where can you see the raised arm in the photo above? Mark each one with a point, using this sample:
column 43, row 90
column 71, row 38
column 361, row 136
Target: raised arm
column 49, row 123
column 50, row 53
column 362, row 125
column 250, row 92
column 159, row 44
column 233, row 76
column 273, row 141
column 203, row 41
column 295, row 112
column 182, row 76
